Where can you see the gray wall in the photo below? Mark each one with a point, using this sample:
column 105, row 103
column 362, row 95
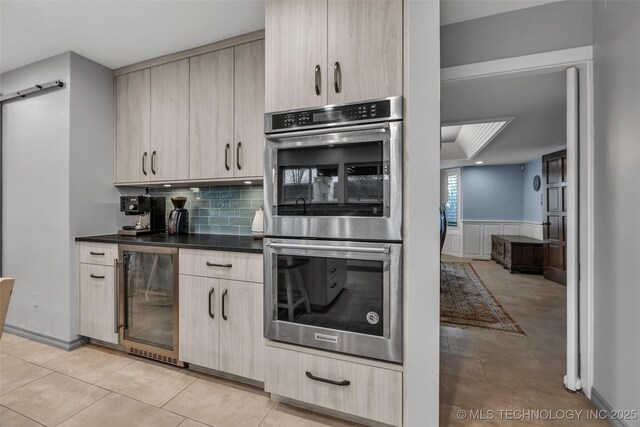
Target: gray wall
column 492, row 193
column 35, row 188
column 544, row 28
column 532, row 206
column 617, row 202
column 56, row 184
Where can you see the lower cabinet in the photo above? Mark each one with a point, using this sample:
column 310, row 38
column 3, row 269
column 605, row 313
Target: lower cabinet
column 363, row 390
column 221, row 325
column 97, row 296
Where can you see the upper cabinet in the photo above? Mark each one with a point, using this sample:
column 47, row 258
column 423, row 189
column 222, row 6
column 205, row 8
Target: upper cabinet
column 249, row 110
column 212, row 115
column 323, row 52
column 133, row 127
column 296, row 58
column 170, row 121
column 198, row 118
column 227, row 113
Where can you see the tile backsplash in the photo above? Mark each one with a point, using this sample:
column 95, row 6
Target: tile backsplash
column 218, row 210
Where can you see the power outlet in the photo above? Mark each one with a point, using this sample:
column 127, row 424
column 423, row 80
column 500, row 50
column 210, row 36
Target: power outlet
column 35, row 299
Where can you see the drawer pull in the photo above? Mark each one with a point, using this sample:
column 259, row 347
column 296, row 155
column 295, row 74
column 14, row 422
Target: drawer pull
column 333, row 270
column 333, row 285
column 213, row 264
column 97, row 253
column 342, row 383
column 93, row 276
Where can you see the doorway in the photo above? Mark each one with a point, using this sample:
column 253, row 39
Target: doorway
column 564, row 245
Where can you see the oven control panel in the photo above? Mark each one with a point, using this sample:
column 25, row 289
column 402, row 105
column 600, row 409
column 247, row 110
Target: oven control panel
column 338, row 114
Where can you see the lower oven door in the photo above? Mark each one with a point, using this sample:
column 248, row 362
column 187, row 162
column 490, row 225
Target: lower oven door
column 335, row 295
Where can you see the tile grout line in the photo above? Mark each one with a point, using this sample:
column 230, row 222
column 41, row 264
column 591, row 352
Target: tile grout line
column 83, row 409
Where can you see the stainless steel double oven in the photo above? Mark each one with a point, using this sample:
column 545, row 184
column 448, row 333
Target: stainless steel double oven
column 333, row 221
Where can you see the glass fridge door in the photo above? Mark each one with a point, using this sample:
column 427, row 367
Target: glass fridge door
column 149, row 302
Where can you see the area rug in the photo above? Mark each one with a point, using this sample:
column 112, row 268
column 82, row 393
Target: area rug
column 466, row 302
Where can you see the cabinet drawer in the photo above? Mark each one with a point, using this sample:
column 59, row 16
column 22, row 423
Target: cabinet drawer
column 372, row 393
column 97, row 301
column 242, row 266
column 97, row 253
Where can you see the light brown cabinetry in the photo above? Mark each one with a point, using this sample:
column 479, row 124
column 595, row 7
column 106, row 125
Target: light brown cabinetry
column 227, row 110
column 198, row 118
column 170, row 121
column 133, row 126
column 211, row 149
column 97, row 312
column 249, row 110
column 221, row 319
column 332, row 51
column 344, row 385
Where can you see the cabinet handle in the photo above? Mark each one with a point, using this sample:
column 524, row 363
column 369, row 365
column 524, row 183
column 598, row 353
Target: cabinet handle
column 318, row 82
column 333, row 270
column 238, row 155
column 226, row 156
column 93, row 276
column 337, row 77
column 116, row 296
column 210, row 304
column 342, row 383
column 153, row 162
column 333, row 285
column 144, row 163
column 224, row 314
column 213, row 264
column 97, row 253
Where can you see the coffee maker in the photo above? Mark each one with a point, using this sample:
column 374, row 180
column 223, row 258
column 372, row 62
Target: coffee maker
column 151, row 213
column 179, row 217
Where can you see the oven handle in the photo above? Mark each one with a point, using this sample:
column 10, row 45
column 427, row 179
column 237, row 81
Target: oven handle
column 324, row 131
column 384, row 250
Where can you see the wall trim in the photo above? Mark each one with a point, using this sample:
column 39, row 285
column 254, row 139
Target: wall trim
column 46, row 339
column 602, row 404
column 531, row 64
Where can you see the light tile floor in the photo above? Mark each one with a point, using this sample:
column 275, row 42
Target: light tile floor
column 482, row 369
column 95, row 386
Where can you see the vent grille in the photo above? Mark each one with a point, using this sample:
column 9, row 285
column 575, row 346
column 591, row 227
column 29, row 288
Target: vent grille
column 156, row 356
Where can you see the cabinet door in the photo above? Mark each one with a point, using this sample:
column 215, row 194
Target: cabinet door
column 97, row 303
column 249, row 109
column 170, row 121
column 241, row 339
column 199, row 321
column 211, row 115
column 365, row 40
column 133, row 127
column 296, row 43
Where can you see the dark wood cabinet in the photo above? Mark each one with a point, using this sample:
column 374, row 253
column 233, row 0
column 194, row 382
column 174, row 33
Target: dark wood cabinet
column 517, row 253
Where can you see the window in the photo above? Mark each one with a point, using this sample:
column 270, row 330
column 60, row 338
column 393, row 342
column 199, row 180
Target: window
column 452, row 200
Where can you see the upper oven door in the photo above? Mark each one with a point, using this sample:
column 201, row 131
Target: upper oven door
column 337, row 183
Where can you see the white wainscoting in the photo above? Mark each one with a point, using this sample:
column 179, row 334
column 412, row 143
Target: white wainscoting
column 475, row 236
column 453, row 241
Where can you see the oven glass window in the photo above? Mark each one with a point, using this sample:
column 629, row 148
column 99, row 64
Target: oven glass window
column 334, row 293
column 338, row 180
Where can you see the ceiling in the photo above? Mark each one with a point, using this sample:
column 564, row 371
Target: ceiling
column 452, row 11
column 115, row 33
column 120, row 32
column 536, row 104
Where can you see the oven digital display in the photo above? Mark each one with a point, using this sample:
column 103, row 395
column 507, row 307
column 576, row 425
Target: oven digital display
column 330, row 115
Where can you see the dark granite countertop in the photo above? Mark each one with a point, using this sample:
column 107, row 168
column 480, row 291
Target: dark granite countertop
column 221, row 242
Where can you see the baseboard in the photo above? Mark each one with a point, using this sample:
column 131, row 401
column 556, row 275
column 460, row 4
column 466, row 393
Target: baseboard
column 601, row 403
column 46, row 339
